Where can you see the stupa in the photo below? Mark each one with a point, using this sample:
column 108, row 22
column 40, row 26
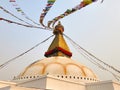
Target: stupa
column 58, row 71
column 59, row 62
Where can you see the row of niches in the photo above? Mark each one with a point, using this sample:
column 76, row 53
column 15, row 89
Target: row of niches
column 25, row 77
column 76, row 78
column 58, row 76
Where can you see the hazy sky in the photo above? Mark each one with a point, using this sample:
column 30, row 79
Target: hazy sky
column 96, row 28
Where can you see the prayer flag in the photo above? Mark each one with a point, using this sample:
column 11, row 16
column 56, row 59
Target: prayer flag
column 12, row 0
column 1, row 18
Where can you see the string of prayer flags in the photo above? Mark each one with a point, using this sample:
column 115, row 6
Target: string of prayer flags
column 70, row 11
column 17, row 23
column 18, row 9
column 13, row 15
column 45, row 11
column 48, row 6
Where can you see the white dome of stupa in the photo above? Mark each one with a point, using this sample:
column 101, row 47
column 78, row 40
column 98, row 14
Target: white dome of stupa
column 57, row 65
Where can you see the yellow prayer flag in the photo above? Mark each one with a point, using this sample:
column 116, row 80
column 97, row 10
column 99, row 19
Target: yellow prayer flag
column 87, row 1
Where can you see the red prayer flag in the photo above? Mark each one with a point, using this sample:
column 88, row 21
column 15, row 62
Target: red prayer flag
column 12, row 0
column 1, row 18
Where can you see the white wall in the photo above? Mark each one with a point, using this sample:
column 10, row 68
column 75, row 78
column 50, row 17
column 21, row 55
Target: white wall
column 23, row 88
column 56, row 84
column 5, row 88
column 35, row 83
column 52, row 83
column 104, row 85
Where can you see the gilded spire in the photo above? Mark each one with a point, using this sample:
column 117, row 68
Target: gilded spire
column 59, row 46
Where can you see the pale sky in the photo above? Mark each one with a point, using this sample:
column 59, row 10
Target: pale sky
column 96, row 28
